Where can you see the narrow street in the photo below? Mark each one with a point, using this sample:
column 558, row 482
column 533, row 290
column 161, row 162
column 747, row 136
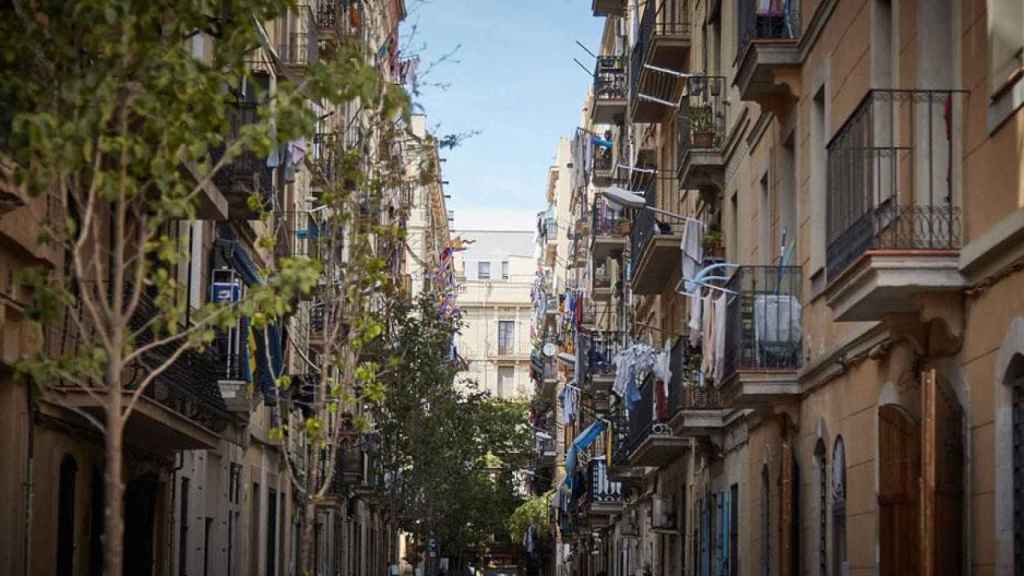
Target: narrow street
column 481, row 288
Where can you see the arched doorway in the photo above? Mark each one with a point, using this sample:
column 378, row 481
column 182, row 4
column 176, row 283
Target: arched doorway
column 899, row 460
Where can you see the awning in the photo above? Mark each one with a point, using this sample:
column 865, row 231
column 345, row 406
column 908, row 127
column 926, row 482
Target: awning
column 582, row 442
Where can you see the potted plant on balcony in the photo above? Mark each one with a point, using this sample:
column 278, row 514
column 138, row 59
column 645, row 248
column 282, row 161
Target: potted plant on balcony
column 702, row 127
column 713, row 243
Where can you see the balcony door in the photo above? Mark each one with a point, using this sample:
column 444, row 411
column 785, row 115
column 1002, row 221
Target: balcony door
column 899, row 454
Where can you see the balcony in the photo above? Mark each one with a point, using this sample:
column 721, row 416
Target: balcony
column 609, row 106
column 182, row 409
column 763, row 336
column 601, row 284
column 652, row 441
column 323, row 160
column 663, row 41
column 247, row 174
column 308, row 235
column 604, row 165
column 700, row 130
column 609, row 228
column 605, row 345
column 654, row 253
column 620, row 468
column 298, row 52
column 603, row 8
column 335, row 19
column 893, row 221
column 695, row 408
column 602, row 497
column 768, row 49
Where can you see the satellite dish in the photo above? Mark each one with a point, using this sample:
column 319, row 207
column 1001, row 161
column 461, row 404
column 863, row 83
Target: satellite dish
column 549, row 349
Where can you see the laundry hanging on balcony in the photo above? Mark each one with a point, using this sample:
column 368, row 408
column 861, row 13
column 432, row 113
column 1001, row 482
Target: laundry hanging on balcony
column 713, row 329
column 569, row 397
column 631, row 365
column 582, row 442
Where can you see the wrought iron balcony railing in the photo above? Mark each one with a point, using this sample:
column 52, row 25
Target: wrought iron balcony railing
column 610, row 78
column 892, row 174
column 247, row 172
column 661, row 19
column 605, row 345
column 299, row 50
column 763, row 320
column 767, row 20
column 324, row 156
column 646, row 226
column 701, row 121
column 607, row 219
column 599, row 489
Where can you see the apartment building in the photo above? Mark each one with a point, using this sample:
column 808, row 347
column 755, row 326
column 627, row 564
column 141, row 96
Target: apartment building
column 495, row 273
column 823, row 248
column 207, row 488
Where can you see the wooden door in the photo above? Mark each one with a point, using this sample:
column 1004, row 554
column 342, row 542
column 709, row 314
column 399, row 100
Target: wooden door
column 899, row 451
column 786, row 519
column 942, row 482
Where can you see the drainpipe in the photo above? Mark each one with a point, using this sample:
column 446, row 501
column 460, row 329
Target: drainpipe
column 29, row 457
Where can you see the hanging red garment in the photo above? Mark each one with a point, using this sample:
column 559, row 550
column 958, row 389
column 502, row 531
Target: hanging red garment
column 660, row 400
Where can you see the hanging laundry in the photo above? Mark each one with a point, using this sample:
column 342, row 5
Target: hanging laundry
column 719, row 367
column 297, row 151
column 707, row 335
column 662, row 376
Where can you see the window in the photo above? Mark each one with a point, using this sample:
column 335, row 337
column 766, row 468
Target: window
column 506, row 336
column 787, row 204
column 765, row 244
column 504, row 270
column 766, row 523
column 206, row 546
column 1005, row 43
column 254, row 526
column 484, row 270
column 271, row 533
column 734, row 530
column 819, row 197
column 822, row 460
column 506, row 379
column 66, row 516
column 839, row 507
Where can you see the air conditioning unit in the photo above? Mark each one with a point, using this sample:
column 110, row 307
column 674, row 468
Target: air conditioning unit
column 662, row 514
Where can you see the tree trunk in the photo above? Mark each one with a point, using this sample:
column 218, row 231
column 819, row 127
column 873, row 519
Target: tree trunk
column 308, row 537
column 113, row 555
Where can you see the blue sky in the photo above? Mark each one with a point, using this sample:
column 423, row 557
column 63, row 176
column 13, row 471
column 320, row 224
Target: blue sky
column 514, row 80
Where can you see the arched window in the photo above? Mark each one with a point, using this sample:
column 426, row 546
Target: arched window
column 839, row 507
column 766, row 522
column 1016, row 381
column 821, row 457
column 66, row 516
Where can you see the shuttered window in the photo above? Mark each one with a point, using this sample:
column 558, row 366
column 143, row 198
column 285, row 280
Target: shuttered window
column 839, row 507
column 821, row 456
column 766, row 522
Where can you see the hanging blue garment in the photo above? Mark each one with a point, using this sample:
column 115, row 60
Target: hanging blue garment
column 582, row 442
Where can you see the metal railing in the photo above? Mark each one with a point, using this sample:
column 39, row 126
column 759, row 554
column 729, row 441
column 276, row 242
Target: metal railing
column 605, row 345
column 661, row 19
column 610, row 78
column 602, row 279
column 650, row 415
column 598, row 488
column 646, row 227
column 892, row 174
column 607, row 220
column 766, row 20
column 701, row 120
column 323, row 157
column 763, row 328
column 604, row 159
column 188, row 385
column 299, row 50
column 305, row 233
column 247, row 172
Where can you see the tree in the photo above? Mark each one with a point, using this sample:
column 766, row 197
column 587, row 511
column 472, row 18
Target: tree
column 114, row 126
column 453, row 453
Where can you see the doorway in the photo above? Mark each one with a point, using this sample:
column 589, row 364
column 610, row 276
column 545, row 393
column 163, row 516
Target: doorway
column 899, row 456
column 140, row 497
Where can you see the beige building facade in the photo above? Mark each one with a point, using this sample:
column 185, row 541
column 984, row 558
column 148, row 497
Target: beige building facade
column 495, row 272
column 855, row 171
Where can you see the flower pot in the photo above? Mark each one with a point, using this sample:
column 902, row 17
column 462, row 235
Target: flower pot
column 703, row 139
